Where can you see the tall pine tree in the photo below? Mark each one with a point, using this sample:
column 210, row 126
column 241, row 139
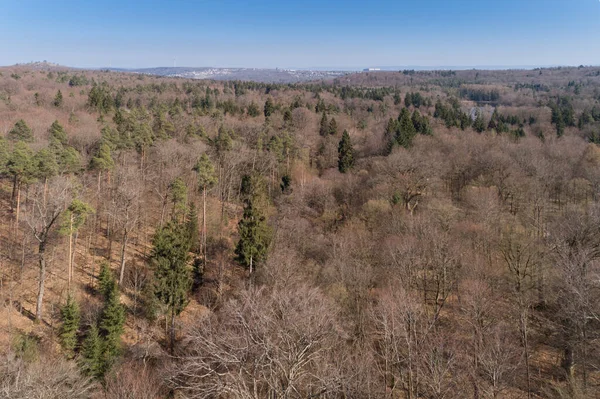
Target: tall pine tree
column 21, row 132
column 345, row 153
column 91, row 360
column 70, row 316
column 406, row 129
column 324, row 127
column 112, row 321
column 172, row 278
column 333, row 129
column 255, row 233
column 58, row 99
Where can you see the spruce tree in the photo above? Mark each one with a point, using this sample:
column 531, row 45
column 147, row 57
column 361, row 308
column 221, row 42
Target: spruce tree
column 102, row 161
column 172, row 280
column 287, row 117
column 406, row 129
column 560, row 128
column 324, row 127
column 253, row 110
column 479, row 124
column 21, row 132
column 58, row 99
column 70, row 316
column 391, row 128
column 192, row 229
column 286, row 182
column 269, row 108
column 112, row 321
column 69, row 160
column 333, row 129
column 178, row 193
column 105, row 279
column 345, row 153
column 45, row 164
column 255, row 235
column 57, row 133
column 91, row 360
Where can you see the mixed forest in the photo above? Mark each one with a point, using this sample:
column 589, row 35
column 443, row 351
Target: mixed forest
column 403, row 234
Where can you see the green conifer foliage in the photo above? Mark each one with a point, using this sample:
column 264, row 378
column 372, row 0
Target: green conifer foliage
column 45, row 164
column 333, row 129
column 4, row 155
column 21, row 132
column 105, row 279
column 253, row 110
column 192, row 229
column 479, row 124
column 178, row 193
column 345, row 153
column 91, row 360
column 70, row 316
column 324, row 127
column 20, row 165
column 57, row 133
column 406, row 129
column 102, row 159
column 112, row 321
column 269, row 108
column 255, row 235
column 58, row 99
column 172, row 278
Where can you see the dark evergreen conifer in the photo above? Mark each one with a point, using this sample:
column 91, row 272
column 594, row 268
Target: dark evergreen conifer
column 172, row 278
column 324, row 127
column 345, row 153
column 70, row 316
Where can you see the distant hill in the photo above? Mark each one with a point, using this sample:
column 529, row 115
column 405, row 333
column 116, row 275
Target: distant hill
column 251, row 74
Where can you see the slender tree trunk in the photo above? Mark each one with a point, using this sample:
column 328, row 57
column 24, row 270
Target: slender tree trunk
column 45, row 189
column 42, row 264
column 204, row 224
column 525, row 333
column 172, row 332
column 123, row 245
column 70, row 272
column 162, row 211
column 250, row 264
column 18, row 205
column 14, row 191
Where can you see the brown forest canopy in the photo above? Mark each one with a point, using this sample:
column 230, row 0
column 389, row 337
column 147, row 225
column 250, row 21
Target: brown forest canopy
column 402, row 234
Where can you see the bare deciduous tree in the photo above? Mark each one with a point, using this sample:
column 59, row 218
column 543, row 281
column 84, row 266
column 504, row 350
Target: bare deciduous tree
column 266, row 344
column 42, row 219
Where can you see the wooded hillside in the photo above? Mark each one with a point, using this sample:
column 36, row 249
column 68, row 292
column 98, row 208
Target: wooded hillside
column 383, row 235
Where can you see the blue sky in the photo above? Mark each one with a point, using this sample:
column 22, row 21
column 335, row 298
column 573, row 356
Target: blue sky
column 302, row 34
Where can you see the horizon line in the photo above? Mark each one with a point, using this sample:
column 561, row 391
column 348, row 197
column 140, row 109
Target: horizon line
column 377, row 68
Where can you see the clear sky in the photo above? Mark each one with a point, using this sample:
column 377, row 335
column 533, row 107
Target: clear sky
column 302, row 34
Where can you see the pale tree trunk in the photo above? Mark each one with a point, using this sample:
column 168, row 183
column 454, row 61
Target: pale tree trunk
column 42, row 264
column 123, row 245
column 45, row 189
column 525, row 337
column 70, row 272
column 18, row 205
column 172, row 335
column 204, row 251
column 250, row 264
